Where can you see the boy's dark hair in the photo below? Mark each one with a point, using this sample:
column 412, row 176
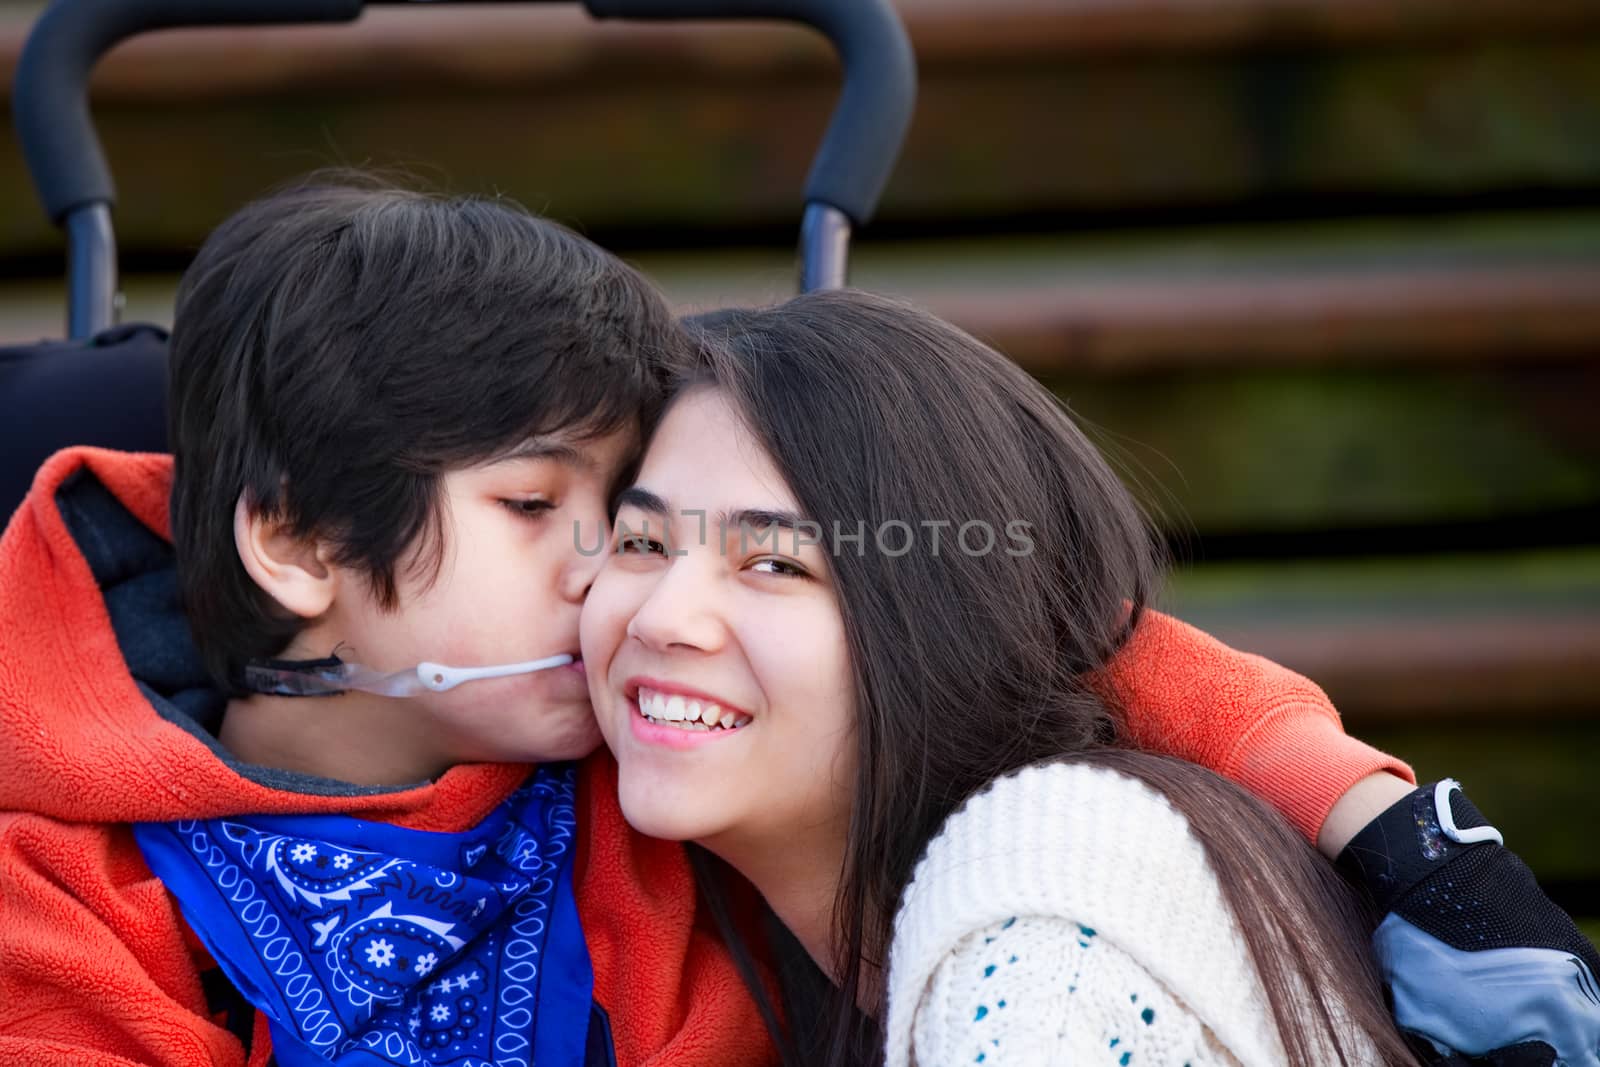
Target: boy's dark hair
column 340, row 345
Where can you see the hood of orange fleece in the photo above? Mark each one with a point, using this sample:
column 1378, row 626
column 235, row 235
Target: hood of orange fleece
column 106, row 711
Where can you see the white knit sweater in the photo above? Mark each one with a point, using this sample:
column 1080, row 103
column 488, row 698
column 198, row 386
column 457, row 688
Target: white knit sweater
column 1066, row 915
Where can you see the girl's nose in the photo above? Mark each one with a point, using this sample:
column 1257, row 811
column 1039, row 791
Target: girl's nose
column 682, row 610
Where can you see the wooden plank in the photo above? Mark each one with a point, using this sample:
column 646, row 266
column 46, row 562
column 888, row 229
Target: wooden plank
column 684, row 128
column 501, row 45
column 1509, row 289
column 1489, row 288
column 1342, row 415
column 1263, row 451
column 1495, row 638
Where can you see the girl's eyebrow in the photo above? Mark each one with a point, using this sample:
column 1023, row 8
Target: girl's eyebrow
column 762, row 518
column 639, row 497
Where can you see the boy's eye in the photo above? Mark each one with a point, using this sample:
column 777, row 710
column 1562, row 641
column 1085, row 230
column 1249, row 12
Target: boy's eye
column 528, row 509
column 781, row 567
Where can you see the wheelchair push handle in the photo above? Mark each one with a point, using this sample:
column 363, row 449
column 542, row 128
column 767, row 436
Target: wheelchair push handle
column 880, row 85
column 69, row 169
column 869, row 122
column 50, row 107
column 52, row 82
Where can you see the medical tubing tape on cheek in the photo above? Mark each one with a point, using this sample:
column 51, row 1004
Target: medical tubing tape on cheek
column 331, row 676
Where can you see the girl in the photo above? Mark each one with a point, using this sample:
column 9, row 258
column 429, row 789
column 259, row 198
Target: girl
column 859, row 584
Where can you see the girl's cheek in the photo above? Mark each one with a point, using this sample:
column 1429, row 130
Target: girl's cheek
column 603, row 623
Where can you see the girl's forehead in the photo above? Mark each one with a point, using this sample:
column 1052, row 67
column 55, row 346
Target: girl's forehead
column 703, row 451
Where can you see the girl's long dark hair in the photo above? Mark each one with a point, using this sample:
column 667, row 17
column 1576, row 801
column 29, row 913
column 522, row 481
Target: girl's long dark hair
column 971, row 663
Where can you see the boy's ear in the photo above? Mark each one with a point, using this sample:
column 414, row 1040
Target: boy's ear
column 290, row 569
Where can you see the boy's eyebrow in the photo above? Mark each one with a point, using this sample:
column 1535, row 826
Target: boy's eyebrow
column 549, row 448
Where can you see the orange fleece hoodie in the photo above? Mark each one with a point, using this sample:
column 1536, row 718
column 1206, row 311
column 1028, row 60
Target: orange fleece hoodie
column 98, row 967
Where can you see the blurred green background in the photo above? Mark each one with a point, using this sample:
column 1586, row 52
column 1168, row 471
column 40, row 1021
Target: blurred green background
column 1323, row 277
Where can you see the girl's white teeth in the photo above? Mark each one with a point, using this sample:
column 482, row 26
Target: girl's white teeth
column 687, row 714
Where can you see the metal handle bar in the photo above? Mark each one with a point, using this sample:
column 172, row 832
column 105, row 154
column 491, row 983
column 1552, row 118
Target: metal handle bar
column 69, row 170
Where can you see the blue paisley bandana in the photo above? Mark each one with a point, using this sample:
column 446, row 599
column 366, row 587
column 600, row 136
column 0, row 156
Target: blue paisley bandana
column 369, row 944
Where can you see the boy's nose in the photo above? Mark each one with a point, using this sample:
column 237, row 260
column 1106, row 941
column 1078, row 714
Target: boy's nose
column 591, row 542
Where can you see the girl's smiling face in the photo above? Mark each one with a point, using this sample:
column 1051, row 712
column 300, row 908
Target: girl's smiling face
column 716, row 604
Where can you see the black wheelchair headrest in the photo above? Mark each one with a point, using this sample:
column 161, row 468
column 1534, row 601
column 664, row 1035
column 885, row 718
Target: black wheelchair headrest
column 109, row 391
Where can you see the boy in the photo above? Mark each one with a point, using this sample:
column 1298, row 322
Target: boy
column 397, row 422
column 394, row 418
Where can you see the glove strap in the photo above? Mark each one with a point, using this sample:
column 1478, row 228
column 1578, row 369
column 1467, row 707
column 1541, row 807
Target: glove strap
column 1447, row 822
column 1414, row 837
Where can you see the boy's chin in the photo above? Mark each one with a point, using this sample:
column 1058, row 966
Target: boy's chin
column 575, row 744
column 565, row 753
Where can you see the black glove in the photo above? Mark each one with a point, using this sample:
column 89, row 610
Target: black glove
column 1481, row 968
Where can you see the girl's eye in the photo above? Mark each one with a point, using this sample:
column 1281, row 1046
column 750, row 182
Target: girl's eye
column 780, row 567
column 639, row 545
column 527, row 509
